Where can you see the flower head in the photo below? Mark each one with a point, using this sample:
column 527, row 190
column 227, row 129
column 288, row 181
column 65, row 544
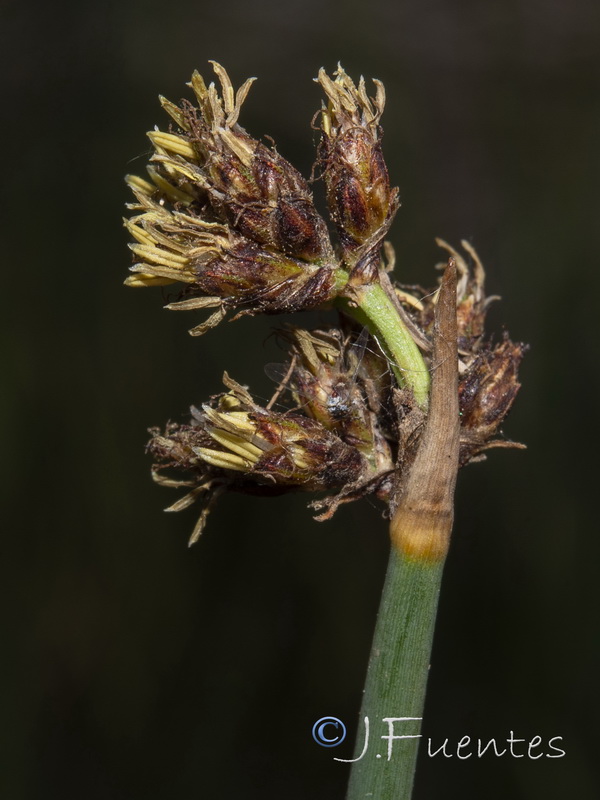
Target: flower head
column 486, row 393
column 488, row 372
column 238, row 445
column 361, row 202
column 229, row 219
column 226, row 215
column 342, row 381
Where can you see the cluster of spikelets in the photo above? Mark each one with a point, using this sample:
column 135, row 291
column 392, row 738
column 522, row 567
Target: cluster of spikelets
column 231, row 219
column 234, row 224
column 336, row 437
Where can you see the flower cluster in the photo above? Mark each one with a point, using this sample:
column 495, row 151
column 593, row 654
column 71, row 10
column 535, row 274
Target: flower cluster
column 235, row 225
column 227, row 216
column 238, row 445
column 488, row 371
column 361, row 203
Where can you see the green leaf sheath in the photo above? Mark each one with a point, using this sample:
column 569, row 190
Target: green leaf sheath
column 397, row 679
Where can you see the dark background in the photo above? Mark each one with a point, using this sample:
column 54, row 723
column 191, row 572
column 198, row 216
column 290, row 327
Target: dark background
column 136, row 668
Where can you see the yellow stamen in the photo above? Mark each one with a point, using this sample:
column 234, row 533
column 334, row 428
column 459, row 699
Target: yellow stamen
column 216, row 458
column 163, row 271
column 233, row 422
column 174, row 112
column 236, row 444
column 173, row 144
column 226, row 87
column 172, row 192
column 186, row 169
column 157, row 255
column 142, row 279
column 297, row 453
column 135, row 182
column 139, row 234
column 238, row 146
column 199, row 87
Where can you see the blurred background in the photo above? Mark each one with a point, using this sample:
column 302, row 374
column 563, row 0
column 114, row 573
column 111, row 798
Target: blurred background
column 136, row 668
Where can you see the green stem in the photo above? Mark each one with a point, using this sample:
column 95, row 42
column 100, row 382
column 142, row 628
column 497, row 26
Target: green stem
column 396, row 679
column 371, row 306
column 420, row 533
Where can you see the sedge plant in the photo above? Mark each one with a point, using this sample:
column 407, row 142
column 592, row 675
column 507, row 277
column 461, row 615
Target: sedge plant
column 393, row 396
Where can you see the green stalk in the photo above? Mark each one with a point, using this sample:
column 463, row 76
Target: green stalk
column 396, row 680
column 371, row 306
column 420, row 533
